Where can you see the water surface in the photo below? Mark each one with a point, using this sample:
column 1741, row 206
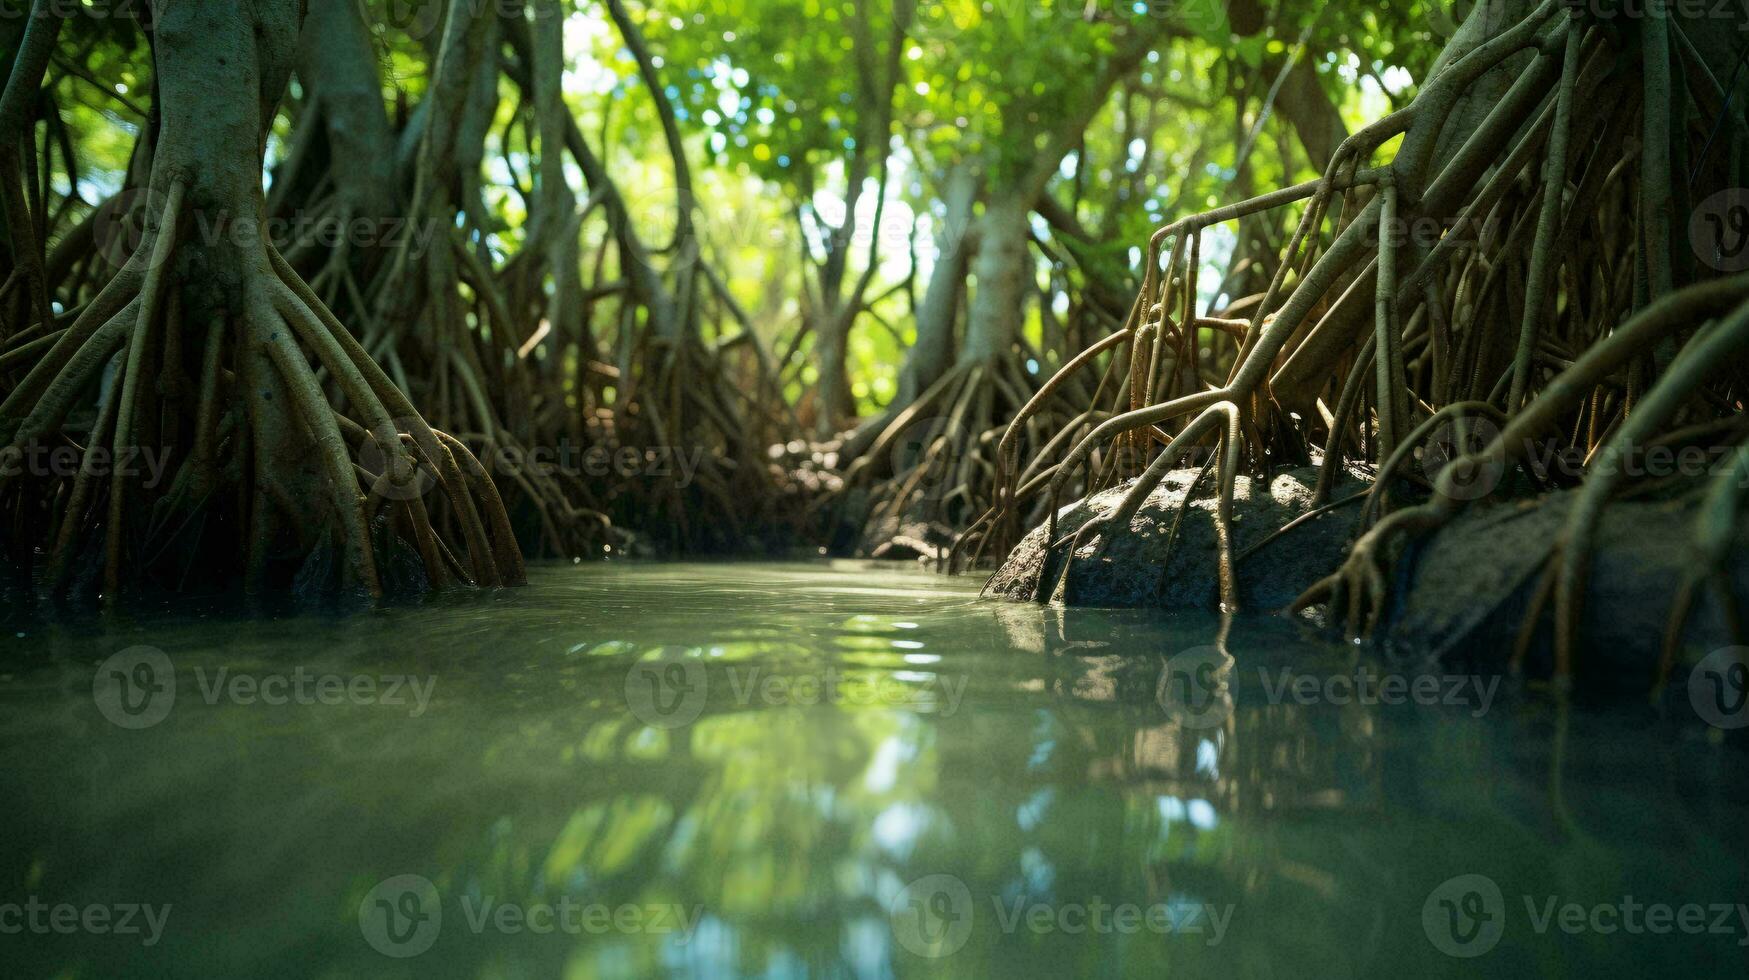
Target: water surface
column 831, row 770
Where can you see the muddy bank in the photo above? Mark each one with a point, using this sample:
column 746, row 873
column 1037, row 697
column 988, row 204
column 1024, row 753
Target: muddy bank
column 1135, row 570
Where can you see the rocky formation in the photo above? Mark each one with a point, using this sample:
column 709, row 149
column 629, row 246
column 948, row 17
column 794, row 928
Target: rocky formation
column 1460, row 594
column 1134, row 569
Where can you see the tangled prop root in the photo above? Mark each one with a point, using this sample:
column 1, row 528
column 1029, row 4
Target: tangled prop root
column 129, row 322
column 936, row 461
column 1362, row 583
column 1536, row 196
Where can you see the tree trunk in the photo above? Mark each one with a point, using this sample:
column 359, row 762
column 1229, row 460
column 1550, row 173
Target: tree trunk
column 220, row 75
column 932, row 353
column 832, row 389
column 1314, row 117
column 211, row 334
column 337, row 66
column 1000, row 272
column 929, row 357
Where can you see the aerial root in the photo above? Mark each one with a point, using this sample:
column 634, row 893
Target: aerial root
column 1359, row 588
column 1119, row 517
column 955, row 469
column 1716, row 345
column 134, row 317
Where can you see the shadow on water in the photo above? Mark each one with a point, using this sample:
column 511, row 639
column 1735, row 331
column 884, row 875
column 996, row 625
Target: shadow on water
column 831, row 769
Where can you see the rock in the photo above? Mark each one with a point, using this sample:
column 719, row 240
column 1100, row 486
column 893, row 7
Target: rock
column 1458, row 594
column 1462, row 593
column 1129, row 571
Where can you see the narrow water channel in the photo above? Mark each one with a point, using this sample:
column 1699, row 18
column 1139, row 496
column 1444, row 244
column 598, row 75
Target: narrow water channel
column 831, row 770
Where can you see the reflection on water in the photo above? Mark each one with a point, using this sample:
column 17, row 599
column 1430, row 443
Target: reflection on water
column 840, row 770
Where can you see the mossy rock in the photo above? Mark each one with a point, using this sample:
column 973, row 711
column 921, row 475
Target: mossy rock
column 1461, row 594
column 1134, row 570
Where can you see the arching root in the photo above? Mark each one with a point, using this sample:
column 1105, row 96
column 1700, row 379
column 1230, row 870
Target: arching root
column 1518, row 318
column 937, row 460
column 1119, row 517
column 281, row 324
column 1359, row 584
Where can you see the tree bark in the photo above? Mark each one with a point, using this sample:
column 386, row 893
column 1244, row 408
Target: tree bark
column 338, row 68
column 931, row 354
column 1000, row 276
column 1314, row 117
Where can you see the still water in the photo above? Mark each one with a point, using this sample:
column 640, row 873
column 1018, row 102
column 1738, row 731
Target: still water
column 832, row 770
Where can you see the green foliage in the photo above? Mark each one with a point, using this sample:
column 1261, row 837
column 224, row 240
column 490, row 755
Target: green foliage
column 776, row 98
column 772, row 94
